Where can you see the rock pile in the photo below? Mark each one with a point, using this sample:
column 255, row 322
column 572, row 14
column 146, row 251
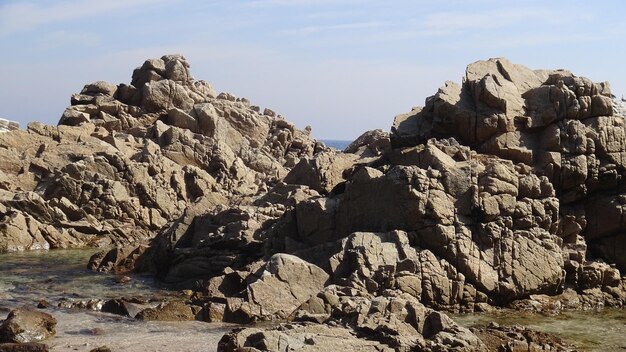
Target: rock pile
column 126, row 160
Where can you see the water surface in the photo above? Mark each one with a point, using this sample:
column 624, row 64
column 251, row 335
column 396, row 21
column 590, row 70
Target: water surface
column 26, row 278
column 603, row 330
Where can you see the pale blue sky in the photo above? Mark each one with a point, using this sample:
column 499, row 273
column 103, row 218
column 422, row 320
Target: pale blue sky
column 342, row 67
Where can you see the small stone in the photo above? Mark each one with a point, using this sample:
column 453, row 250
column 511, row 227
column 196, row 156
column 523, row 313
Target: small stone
column 123, row 279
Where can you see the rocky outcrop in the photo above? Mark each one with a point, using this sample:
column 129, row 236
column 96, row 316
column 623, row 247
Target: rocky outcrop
column 563, row 127
column 126, row 160
column 25, row 325
column 392, row 322
column 502, row 191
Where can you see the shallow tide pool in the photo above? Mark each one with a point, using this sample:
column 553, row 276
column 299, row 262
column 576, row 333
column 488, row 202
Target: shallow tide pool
column 603, row 330
column 26, row 278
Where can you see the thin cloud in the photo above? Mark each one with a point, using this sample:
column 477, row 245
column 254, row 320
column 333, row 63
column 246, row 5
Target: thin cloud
column 449, row 22
column 59, row 39
column 16, row 17
column 333, row 27
column 291, row 3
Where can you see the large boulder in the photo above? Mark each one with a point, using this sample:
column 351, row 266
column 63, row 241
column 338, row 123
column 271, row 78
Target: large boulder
column 24, row 325
column 284, row 284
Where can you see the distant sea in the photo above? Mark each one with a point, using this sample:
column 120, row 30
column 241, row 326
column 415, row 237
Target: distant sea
column 335, row 143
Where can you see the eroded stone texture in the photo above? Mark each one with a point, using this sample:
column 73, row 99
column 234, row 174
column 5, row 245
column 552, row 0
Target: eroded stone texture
column 25, row 325
column 126, row 160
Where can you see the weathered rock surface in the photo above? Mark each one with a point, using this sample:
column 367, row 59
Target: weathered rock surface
column 126, row 160
column 24, row 325
column 170, row 311
column 504, row 190
column 296, row 337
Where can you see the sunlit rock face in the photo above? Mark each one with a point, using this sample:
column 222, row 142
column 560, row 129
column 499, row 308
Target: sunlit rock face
column 127, row 159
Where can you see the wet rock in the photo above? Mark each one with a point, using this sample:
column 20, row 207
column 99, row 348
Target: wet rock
column 24, row 325
column 94, row 331
column 126, row 307
column 517, row 338
column 91, row 304
column 23, row 347
column 170, row 311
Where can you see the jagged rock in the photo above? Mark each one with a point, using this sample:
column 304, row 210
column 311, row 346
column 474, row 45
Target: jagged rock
column 132, row 307
column 119, row 260
column 323, row 172
column 506, row 189
column 392, row 322
column 283, row 285
column 370, row 144
column 24, row 325
column 170, row 311
column 562, row 126
column 126, row 160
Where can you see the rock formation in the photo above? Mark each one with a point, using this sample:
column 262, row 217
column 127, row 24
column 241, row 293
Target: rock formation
column 505, row 191
column 490, row 195
column 126, row 160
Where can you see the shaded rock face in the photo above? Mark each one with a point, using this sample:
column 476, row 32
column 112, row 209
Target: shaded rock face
column 24, row 325
column 126, row 160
